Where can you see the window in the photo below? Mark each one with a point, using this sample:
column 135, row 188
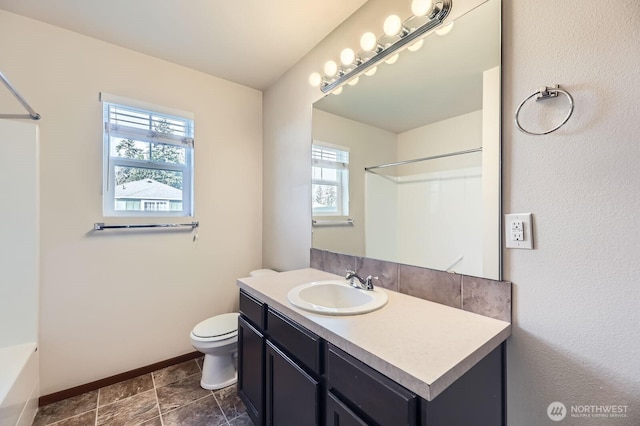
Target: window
column 148, row 162
column 329, row 180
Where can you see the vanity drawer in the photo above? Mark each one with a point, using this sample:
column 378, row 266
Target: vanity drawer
column 370, row 393
column 295, row 339
column 253, row 309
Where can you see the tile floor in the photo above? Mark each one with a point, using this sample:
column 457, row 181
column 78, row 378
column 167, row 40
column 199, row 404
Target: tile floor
column 167, row 397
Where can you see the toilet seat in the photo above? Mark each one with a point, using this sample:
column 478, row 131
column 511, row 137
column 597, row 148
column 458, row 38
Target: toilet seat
column 217, row 328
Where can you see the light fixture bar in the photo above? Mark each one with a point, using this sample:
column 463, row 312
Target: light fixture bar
column 412, row 36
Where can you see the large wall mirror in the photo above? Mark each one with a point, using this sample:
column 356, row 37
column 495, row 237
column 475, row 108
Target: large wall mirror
column 416, row 148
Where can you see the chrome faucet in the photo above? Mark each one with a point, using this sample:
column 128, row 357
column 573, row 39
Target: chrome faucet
column 363, row 283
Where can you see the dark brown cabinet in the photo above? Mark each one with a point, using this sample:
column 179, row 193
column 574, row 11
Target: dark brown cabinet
column 279, row 367
column 251, row 356
column 475, row 398
column 289, row 376
column 293, row 396
column 372, row 396
column 339, row 414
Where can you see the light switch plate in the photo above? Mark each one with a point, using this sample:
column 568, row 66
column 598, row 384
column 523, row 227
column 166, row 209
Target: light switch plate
column 518, row 231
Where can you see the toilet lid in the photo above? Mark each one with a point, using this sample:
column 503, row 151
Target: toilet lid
column 217, row 326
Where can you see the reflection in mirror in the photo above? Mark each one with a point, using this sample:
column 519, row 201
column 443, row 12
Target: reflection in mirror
column 408, row 207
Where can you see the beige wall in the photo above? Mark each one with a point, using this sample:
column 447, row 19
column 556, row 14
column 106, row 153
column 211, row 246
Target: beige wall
column 576, row 335
column 115, row 301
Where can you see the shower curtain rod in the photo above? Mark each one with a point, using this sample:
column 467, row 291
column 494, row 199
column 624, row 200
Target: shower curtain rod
column 401, row 163
column 32, row 114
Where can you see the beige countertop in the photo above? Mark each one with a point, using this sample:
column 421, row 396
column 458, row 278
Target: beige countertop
column 422, row 345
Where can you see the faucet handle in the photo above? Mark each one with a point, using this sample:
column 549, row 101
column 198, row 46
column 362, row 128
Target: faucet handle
column 368, row 282
column 350, row 274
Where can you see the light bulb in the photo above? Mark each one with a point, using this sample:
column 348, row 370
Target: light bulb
column 368, row 42
column 354, row 81
column 371, row 71
column 392, row 25
column 416, row 46
column 330, row 68
column 347, row 56
column 392, row 59
column 445, row 30
column 315, row 79
column 337, row 91
column 421, row 7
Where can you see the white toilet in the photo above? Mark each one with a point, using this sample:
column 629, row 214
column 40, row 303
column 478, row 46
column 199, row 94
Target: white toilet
column 217, row 339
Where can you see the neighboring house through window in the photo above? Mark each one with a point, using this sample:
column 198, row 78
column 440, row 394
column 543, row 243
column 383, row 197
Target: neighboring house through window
column 330, row 179
column 148, row 167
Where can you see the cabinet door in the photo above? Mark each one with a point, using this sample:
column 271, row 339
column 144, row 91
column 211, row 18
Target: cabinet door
column 373, row 396
column 293, row 396
column 340, row 415
column 251, row 370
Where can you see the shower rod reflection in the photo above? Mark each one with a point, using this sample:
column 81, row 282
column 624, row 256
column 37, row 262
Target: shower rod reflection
column 401, row 163
column 101, row 226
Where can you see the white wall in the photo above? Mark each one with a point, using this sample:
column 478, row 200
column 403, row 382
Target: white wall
column 440, row 220
column 453, row 134
column 576, row 335
column 381, row 217
column 19, row 262
column 491, row 172
column 576, row 338
column 368, row 146
column 115, row 301
column 440, row 201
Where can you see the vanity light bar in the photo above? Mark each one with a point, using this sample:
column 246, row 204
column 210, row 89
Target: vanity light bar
column 407, row 36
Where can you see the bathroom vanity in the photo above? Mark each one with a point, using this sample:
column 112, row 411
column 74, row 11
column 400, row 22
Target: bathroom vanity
column 412, row 362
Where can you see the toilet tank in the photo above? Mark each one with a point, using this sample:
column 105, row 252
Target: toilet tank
column 258, row 272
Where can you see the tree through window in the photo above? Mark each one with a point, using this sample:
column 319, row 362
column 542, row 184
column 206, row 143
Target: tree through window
column 329, row 180
column 149, row 157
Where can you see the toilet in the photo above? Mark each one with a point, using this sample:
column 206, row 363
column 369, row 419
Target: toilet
column 217, row 339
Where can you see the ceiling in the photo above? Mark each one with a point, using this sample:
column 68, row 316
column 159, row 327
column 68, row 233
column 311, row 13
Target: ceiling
column 250, row 42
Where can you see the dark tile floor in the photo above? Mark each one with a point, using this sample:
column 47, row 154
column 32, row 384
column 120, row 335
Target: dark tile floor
column 167, row 397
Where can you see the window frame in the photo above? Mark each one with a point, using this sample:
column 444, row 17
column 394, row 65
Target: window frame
column 110, row 163
column 341, row 183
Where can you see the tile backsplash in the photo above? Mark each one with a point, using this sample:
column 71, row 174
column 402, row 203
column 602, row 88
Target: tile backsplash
column 478, row 295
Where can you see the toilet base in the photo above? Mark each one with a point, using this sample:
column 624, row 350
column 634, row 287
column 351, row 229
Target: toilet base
column 217, row 386
column 219, row 371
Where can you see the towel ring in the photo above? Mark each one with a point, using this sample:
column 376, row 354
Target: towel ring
column 545, row 93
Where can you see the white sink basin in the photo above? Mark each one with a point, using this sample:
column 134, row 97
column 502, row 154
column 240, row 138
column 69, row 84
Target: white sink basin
column 336, row 297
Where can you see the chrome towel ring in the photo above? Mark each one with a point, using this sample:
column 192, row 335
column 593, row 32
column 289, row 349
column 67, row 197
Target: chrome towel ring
column 545, row 93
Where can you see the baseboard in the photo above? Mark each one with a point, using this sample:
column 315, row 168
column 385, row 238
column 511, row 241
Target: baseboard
column 78, row 390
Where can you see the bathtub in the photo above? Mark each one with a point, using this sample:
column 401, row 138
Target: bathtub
column 18, row 384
